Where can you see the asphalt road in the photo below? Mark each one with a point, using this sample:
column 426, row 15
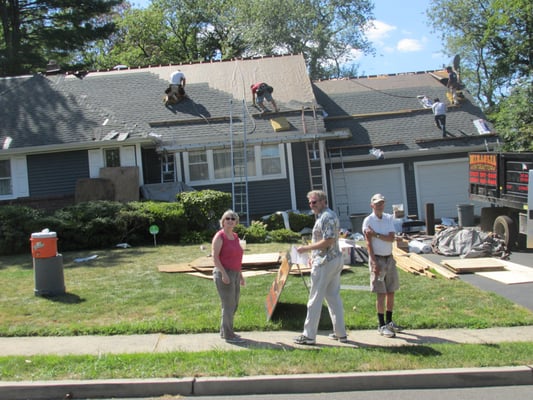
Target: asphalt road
column 520, row 293
column 483, row 393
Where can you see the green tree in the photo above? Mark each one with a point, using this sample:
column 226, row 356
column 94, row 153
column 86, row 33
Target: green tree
column 325, row 32
column 514, row 118
column 36, row 31
column 493, row 39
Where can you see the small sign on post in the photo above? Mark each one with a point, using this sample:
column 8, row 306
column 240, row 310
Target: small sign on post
column 154, row 230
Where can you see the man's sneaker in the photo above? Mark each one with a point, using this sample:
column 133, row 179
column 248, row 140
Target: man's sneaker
column 303, row 340
column 385, row 331
column 393, row 327
column 235, row 340
column 342, row 339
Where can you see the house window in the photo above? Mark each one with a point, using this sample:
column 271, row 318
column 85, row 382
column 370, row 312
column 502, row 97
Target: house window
column 112, row 157
column 222, row 163
column 198, row 166
column 270, row 160
column 5, row 177
column 214, row 166
column 168, row 171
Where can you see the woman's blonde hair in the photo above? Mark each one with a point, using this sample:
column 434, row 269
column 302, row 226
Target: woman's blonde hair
column 229, row 213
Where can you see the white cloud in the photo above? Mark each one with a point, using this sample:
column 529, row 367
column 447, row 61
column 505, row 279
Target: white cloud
column 409, row 45
column 378, row 31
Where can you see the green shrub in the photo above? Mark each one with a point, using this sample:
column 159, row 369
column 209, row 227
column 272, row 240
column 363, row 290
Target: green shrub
column 17, row 223
column 170, row 218
column 204, row 208
column 299, row 221
column 89, row 225
column 284, row 236
column 256, row 233
column 274, row 221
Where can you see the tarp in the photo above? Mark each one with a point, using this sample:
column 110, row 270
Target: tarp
column 468, row 243
column 164, row 191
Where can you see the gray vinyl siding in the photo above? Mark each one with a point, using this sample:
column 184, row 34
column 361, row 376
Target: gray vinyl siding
column 301, row 175
column 56, row 173
column 264, row 198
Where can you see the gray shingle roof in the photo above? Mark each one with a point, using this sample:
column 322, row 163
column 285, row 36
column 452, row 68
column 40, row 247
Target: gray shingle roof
column 59, row 109
column 385, row 112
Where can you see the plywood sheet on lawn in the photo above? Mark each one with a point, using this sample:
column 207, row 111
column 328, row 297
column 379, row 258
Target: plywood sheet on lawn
column 248, row 260
column 246, row 274
column 468, row 265
column 176, row 268
column 307, row 270
column 513, row 274
column 206, row 263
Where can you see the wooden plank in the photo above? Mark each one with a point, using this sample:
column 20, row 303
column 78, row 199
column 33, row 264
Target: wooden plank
column 470, row 265
column 206, row 264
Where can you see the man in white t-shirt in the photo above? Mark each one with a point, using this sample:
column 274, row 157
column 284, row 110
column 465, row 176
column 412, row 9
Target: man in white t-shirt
column 379, row 233
column 439, row 110
column 176, row 90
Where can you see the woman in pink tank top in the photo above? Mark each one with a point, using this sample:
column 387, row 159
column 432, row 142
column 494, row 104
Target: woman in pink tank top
column 227, row 256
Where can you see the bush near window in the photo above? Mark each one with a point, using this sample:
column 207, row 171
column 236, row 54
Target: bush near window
column 194, row 218
column 204, row 208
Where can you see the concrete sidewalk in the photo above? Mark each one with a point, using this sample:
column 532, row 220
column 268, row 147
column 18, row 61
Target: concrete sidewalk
column 155, row 343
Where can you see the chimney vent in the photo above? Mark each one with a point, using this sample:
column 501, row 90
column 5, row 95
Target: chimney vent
column 52, row 68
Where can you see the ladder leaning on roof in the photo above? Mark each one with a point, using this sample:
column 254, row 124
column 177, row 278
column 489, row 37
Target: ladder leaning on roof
column 339, row 187
column 239, row 172
column 315, row 157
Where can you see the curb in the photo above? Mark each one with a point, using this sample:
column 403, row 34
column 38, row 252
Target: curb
column 271, row 384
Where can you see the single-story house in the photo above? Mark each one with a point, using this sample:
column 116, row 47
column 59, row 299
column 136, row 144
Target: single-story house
column 108, row 134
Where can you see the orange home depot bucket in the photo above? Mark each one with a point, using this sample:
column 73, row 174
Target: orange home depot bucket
column 43, row 244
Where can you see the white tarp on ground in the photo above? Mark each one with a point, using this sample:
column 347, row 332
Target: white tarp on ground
column 468, row 243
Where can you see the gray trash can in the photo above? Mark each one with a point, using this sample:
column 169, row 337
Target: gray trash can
column 357, row 222
column 47, row 264
column 465, row 214
column 48, row 274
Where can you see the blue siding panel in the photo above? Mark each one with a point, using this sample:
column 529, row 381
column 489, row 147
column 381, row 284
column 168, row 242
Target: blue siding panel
column 56, row 173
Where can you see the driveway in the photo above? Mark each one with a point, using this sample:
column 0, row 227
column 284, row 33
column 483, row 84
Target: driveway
column 519, row 293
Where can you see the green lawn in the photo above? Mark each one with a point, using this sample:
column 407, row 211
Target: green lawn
column 122, row 292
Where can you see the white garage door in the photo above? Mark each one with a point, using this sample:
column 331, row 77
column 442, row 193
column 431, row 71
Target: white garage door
column 362, row 183
column 443, row 183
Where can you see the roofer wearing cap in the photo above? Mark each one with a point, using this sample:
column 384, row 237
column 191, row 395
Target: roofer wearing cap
column 379, row 232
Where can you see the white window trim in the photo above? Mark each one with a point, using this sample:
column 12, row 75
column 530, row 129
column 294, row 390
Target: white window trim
column 258, row 168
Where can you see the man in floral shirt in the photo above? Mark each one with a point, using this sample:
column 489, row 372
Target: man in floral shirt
column 326, row 266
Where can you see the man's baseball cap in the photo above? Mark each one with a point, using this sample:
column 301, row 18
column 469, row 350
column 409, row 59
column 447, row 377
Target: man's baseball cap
column 378, row 197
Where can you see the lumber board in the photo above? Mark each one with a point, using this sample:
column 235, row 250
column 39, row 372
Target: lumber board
column 472, row 265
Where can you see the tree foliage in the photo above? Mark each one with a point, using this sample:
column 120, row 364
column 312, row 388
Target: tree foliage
column 325, row 32
column 494, row 41
column 515, row 118
column 36, row 31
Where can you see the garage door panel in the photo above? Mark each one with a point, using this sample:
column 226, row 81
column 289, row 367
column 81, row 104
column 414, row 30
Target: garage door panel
column 362, row 183
column 443, row 183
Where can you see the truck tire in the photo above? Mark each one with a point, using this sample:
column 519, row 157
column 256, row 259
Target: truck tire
column 505, row 227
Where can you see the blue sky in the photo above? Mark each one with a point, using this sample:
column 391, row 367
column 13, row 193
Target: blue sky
column 401, row 37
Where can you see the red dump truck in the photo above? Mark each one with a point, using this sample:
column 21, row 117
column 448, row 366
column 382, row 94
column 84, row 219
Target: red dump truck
column 503, row 181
